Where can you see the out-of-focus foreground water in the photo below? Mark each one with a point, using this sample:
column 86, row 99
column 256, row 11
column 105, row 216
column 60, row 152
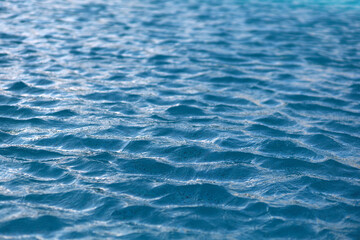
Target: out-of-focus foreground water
column 179, row 119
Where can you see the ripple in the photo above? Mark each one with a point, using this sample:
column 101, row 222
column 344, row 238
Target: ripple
column 184, row 110
column 28, row 153
column 40, row 225
column 287, row 148
column 21, row 87
column 76, row 200
column 200, row 193
column 74, row 142
column 44, row 170
column 179, row 119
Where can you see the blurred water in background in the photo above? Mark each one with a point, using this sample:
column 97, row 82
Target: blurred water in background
column 179, row 119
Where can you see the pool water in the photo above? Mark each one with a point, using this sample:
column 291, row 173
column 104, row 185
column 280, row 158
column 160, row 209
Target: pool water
column 179, row 119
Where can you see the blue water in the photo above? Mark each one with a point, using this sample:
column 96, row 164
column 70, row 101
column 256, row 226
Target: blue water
column 179, row 119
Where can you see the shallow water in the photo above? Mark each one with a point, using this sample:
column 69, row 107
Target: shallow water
column 179, row 119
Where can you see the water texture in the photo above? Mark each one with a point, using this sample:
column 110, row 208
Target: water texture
column 179, row 119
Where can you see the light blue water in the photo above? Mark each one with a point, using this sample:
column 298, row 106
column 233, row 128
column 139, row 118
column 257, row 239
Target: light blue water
column 180, row 119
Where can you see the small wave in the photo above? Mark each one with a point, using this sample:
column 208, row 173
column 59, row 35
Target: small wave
column 179, row 119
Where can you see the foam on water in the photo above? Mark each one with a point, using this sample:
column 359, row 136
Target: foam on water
column 179, row 119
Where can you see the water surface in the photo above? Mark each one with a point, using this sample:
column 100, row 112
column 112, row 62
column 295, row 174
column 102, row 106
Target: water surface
column 179, row 119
